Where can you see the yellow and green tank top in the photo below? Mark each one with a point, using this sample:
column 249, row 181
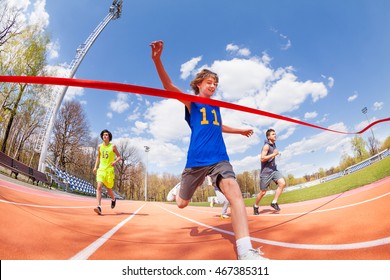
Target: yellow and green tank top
column 107, row 156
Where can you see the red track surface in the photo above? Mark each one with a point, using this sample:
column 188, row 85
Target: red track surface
column 43, row 224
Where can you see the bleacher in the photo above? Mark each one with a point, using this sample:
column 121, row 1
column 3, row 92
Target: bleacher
column 332, row 177
column 69, row 182
column 366, row 162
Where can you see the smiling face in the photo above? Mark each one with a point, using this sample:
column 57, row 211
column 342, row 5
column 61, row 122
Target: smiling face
column 207, row 87
column 205, row 81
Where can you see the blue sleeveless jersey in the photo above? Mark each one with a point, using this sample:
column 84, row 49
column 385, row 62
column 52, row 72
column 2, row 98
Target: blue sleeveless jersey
column 206, row 146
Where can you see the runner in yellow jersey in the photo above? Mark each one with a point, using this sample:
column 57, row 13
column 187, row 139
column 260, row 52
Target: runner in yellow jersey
column 105, row 174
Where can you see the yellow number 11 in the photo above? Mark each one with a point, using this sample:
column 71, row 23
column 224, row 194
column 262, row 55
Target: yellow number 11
column 204, row 120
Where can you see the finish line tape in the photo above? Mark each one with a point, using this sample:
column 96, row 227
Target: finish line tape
column 164, row 94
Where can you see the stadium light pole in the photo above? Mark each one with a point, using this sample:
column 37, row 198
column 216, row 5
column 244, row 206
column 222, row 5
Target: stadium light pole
column 364, row 111
column 147, row 149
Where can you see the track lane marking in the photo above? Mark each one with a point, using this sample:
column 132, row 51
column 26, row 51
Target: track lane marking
column 347, row 246
column 89, row 250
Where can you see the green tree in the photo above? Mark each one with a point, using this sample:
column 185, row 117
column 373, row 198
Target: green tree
column 358, row 146
column 23, row 55
column 386, row 144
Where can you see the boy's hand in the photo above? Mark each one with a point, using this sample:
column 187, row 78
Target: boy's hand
column 157, row 48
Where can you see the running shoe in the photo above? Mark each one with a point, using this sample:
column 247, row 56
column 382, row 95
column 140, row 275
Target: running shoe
column 255, row 210
column 113, row 203
column 275, row 206
column 172, row 193
column 253, row 254
column 98, row 210
column 224, row 216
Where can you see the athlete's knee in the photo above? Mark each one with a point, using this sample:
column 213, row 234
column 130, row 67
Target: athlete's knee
column 281, row 183
column 181, row 203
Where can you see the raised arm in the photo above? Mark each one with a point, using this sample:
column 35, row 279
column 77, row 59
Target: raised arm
column 157, row 48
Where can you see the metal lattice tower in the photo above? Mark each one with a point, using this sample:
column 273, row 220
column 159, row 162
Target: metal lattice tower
column 59, row 92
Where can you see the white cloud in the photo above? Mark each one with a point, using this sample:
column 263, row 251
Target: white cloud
column 234, row 49
column 53, row 49
column 73, row 92
column 166, row 120
column 352, row 97
column 161, row 155
column 139, row 127
column 310, row 115
column 120, row 104
column 109, row 115
column 330, row 82
column 39, row 16
column 378, row 106
column 288, row 44
column 188, row 67
column 324, row 118
column 363, row 124
column 316, row 142
column 324, row 141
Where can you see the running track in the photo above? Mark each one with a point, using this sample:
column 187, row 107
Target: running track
column 42, row 224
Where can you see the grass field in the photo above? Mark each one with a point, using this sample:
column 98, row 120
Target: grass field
column 365, row 176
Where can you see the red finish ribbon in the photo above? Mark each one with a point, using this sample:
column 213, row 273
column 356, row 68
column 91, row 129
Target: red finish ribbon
column 164, row 94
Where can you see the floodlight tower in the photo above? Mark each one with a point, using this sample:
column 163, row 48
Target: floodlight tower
column 58, row 94
column 147, row 149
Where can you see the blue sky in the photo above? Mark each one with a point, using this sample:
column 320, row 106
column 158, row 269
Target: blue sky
column 317, row 61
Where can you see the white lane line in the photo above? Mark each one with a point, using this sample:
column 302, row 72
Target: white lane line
column 88, row 251
column 279, row 214
column 331, row 247
column 323, row 210
column 45, row 206
column 347, row 246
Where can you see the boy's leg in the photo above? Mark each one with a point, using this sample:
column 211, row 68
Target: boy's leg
column 99, row 192
column 98, row 208
column 239, row 217
column 245, row 251
column 191, row 179
column 111, row 193
column 181, row 203
column 281, row 184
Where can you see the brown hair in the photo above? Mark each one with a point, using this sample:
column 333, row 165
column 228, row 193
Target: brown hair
column 268, row 132
column 200, row 77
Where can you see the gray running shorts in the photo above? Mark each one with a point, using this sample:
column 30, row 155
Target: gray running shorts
column 265, row 181
column 194, row 177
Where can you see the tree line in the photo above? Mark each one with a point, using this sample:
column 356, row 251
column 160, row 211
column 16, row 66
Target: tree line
column 23, row 51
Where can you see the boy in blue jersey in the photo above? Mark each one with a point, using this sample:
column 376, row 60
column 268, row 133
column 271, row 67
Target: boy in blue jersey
column 207, row 154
